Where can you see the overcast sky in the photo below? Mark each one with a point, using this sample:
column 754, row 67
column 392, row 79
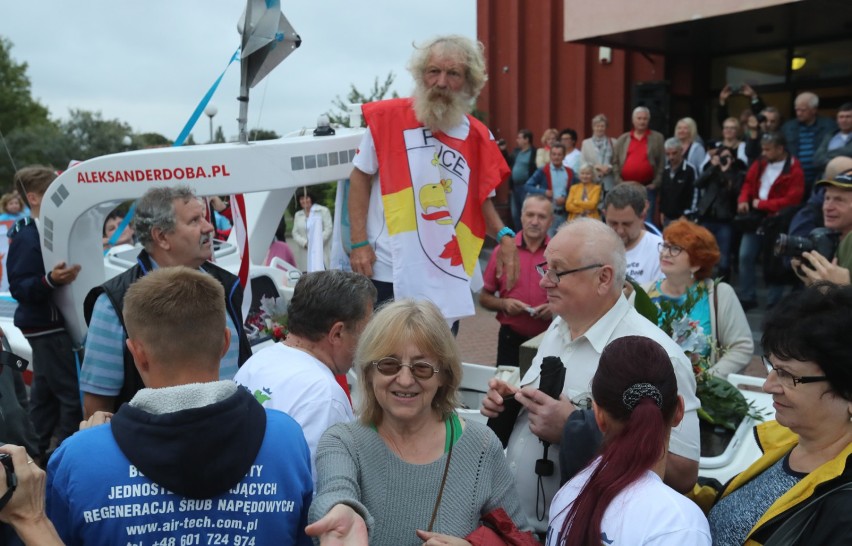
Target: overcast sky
column 149, row 62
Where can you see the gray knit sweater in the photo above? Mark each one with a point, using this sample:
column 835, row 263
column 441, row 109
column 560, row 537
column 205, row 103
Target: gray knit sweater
column 355, row 467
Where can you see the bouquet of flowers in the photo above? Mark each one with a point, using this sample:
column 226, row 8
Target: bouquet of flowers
column 269, row 321
column 721, row 403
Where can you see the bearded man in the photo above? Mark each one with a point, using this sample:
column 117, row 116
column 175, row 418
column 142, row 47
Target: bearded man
column 419, row 202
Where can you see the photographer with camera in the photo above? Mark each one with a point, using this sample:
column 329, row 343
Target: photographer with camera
column 22, row 498
column 773, row 183
column 818, row 264
column 719, row 184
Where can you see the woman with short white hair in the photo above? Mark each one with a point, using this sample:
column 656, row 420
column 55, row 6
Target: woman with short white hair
column 597, row 151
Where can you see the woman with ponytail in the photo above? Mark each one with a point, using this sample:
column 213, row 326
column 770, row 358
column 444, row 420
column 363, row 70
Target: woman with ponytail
column 620, row 498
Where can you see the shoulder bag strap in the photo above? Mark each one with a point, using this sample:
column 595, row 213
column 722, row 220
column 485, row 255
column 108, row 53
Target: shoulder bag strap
column 443, row 478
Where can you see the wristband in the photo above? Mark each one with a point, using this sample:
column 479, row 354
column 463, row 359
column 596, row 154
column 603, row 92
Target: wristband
column 505, row 231
column 353, row 246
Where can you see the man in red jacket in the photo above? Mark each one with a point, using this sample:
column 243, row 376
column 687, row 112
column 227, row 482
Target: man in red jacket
column 774, row 182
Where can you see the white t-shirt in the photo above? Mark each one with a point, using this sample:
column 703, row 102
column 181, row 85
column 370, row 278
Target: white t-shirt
column 769, row 176
column 645, row 513
column 581, row 357
column 292, row 381
column 367, row 161
column 643, row 260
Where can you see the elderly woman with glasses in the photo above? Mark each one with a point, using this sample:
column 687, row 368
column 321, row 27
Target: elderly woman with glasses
column 800, row 491
column 411, row 471
column 688, row 254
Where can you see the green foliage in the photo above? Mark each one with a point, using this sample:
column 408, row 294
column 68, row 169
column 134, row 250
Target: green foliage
column 722, row 404
column 643, row 303
column 43, row 144
column 219, row 136
column 324, row 193
column 93, row 136
column 262, row 134
column 18, row 112
column 18, row 109
column 377, row 92
column 150, row 140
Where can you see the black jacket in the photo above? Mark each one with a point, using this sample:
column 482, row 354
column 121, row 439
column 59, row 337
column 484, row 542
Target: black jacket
column 28, row 282
column 719, row 192
column 115, row 290
column 677, row 191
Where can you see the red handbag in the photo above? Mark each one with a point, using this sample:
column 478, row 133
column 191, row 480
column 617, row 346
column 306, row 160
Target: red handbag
column 498, row 529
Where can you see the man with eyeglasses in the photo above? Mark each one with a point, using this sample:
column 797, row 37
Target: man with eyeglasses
column 583, row 275
column 325, row 318
column 522, row 310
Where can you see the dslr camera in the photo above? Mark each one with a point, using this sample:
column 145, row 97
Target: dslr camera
column 822, row 240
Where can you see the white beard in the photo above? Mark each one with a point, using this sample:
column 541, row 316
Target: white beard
column 440, row 110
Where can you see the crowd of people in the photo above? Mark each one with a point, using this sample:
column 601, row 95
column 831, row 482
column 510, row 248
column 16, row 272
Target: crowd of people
column 763, row 178
column 190, row 437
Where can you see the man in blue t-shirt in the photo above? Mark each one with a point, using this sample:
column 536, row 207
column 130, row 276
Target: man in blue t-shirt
column 190, row 459
column 805, row 133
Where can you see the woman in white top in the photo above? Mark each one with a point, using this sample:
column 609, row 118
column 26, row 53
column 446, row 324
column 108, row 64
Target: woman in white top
column 597, row 151
column 312, row 227
column 620, row 498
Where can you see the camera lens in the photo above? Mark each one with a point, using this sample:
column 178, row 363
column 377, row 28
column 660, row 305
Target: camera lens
column 792, row 246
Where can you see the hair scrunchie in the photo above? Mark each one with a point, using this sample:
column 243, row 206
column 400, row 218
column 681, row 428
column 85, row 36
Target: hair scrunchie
column 634, row 393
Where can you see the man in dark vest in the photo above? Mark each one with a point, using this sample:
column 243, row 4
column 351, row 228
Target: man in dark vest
column 172, row 228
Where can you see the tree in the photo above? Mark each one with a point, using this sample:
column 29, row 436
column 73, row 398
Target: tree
column 219, row 137
column 378, row 92
column 93, row 136
column 18, row 110
column 43, row 144
column 262, row 134
column 150, row 140
column 17, row 106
